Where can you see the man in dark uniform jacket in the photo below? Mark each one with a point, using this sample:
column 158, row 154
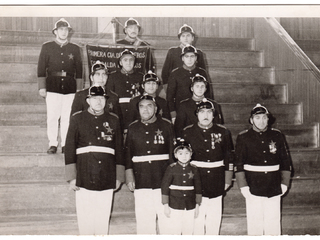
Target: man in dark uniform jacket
column 180, row 79
column 150, row 84
column 94, row 162
column 99, row 76
column 263, row 168
column 59, row 77
column 126, row 83
column 213, row 155
column 181, row 191
column 186, row 114
column 131, row 29
column 173, row 59
column 149, row 148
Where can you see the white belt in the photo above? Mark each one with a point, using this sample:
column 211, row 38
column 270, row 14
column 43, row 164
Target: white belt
column 149, row 158
column 95, row 149
column 252, row 168
column 208, row 164
column 176, row 187
column 124, row 100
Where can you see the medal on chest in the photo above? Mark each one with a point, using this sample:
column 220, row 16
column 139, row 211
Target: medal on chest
column 272, row 147
column 108, row 136
column 135, row 90
column 158, row 137
column 215, row 138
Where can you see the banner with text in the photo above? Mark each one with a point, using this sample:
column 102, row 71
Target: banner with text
column 110, row 56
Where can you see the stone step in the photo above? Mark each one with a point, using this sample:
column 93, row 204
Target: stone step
column 249, row 93
column 239, row 113
column 218, row 58
column 297, row 136
column 160, row 42
column 32, row 167
column 295, row 221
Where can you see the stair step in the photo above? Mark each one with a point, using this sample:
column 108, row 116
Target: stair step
column 239, row 113
column 165, row 42
column 22, row 92
column 249, row 93
column 297, row 136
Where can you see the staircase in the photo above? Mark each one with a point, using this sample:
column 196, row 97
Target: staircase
column 35, row 198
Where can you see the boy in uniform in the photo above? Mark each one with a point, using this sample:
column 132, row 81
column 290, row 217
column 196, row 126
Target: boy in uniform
column 181, row 191
column 59, row 77
column 98, row 76
column 150, row 85
column 149, row 148
column 180, row 79
column 94, row 162
column 125, row 83
column 262, row 169
column 213, row 155
column 186, row 115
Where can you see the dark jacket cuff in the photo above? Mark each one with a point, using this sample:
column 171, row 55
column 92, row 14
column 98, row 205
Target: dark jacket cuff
column 241, row 179
column 129, row 175
column 165, row 199
column 285, row 177
column 198, row 198
column 41, row 83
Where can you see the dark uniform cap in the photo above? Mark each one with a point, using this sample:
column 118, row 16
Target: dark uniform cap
column 186, row 28
column 199, row 78
column 147, row 97
column 187, row 49
column 96, row 91
column 259, row 109
column 205, row 104
column 131, row 21
column 98, row 66
column 180, row 143
column 150, row 76
column 61, row 23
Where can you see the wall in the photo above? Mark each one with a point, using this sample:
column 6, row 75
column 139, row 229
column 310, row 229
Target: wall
column 302, row 28
column 302, row 84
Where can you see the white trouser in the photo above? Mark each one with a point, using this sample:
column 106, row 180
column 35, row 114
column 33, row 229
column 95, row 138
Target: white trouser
column 209, row 220
column 93, row 211
column 58, row 107
column 180, row 222
column 263, row 215
column 148, row 208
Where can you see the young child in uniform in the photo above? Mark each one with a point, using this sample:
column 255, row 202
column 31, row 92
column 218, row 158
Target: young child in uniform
column 181, row 191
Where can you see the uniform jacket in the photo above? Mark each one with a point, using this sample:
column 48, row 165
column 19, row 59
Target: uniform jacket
column 173, row 61
column 262, row 149
column 126, row 86
column 80, row 102
column 186, row 115
column 133, row 113
column 209, row 146
column 144, row 144
column 181, row 176
column 59, row 58
column 179, row 86
column 94, row 169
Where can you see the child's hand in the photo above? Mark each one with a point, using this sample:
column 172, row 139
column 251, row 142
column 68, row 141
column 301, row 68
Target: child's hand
column 196, row 211
column 167, row 210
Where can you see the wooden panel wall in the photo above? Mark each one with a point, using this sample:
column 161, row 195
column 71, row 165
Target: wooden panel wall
column 204, row 27
column 302, row 84
column 79, row 24
column 302, row 28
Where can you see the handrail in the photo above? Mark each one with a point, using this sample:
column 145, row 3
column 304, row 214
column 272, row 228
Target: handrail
column 305, row 60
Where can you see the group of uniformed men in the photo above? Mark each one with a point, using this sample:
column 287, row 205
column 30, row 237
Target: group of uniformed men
column 119, row 133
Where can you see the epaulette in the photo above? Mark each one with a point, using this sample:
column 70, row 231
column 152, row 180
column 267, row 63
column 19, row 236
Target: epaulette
column 192, row 165
column 274, row 129
column 47, row 42
column 74, row 44
column 218, row 124
column 167, row 120
column 114, row 93
column 244, row 131
column 184, row 100
column 113, row 114
column 113, row 72
column 172, row 47
column 173, row 164
column 202, row 69
column 175, row 69
column 189, row 126
column 133, row 122
column 76, row 113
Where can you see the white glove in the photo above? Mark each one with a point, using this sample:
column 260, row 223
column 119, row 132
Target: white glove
column 245, row 191
column 284, row 189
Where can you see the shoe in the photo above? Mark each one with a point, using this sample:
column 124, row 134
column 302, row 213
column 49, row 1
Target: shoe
column 62, row 150
column 52, row 150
